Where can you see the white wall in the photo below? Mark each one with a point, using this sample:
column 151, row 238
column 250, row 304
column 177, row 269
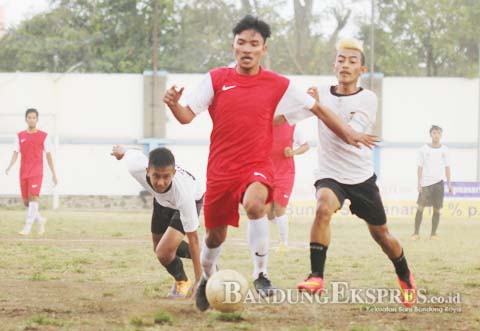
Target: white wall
column 109, row 107
column 85, row 105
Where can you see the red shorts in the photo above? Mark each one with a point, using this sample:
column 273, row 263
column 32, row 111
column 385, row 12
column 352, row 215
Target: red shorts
column 223, row 197
column 282, row 189
column 30, row 186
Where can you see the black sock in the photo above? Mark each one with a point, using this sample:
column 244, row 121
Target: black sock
column 435, row 221
column 183, row 250
column 318, row 255
column 175, row 268
column 401, row 267
column 418, row 221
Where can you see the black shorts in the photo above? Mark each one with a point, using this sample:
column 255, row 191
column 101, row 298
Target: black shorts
column 163, row 217
column 432, row 195
column 365, row 200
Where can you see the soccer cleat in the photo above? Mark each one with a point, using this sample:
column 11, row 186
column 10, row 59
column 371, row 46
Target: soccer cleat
column 180, row 289
column 313, row 285
column 25, row 231
column 201, row 296
column 434, row 237
column 264, row 286
column 415, row 237
column 282, row 248
column 408, row 290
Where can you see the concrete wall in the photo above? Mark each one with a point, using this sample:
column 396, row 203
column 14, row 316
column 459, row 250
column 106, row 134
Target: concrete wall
column 92, row 111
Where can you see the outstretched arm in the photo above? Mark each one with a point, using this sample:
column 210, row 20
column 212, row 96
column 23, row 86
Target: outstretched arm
column 340, row 128
column 183, row 114
column 12, row 162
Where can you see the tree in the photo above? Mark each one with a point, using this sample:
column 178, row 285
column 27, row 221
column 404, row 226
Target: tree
column 431, row 37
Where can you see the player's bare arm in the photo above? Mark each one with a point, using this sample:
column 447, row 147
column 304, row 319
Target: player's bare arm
column 278, row 120
column 52, row 168
column 419, row 176
column 194, row 248
column 341, row 129
column 290, row 152
column 448, row 174
column 334, row 123
column 12, row 162
column 183, row 114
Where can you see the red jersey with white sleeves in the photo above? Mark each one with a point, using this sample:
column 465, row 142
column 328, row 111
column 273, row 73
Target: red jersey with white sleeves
column 32, row 146
column 242, row 108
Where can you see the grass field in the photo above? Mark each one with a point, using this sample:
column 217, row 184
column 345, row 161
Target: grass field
column 97, row 271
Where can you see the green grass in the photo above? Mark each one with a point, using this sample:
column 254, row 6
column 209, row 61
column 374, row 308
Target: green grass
column 229, row 317
column 161, row 317
column 97, row 271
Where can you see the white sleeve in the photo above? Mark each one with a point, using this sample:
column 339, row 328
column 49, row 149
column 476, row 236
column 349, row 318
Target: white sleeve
column 137, row 164
column 47, row 145
column 364, row 116
column 188, row 212
column 200, row 98
column 299, row 137
column 295, row 105
column 16, row 145
column 420, row 158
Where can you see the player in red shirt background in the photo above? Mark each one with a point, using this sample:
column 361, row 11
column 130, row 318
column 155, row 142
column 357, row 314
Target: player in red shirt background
column 31, row 144
column 285, row 138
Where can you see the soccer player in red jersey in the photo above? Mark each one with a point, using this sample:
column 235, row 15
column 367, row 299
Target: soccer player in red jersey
column 288, row 141
column 32, row 143
column 242, row 102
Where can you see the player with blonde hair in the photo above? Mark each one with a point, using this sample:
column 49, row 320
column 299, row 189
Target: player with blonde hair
column 348, row 173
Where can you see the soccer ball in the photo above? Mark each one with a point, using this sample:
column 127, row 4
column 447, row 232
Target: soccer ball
column 226, row 290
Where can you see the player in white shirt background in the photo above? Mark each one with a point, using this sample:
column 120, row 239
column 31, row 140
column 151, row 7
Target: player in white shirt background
column 178, row 198
column 433, row 166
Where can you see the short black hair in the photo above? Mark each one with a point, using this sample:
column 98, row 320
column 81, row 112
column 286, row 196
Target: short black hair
column 160, row 158
column 435, row 127
column 31, row 110
column 252, row 23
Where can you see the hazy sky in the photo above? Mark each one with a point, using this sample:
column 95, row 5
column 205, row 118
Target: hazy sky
column 17, row 10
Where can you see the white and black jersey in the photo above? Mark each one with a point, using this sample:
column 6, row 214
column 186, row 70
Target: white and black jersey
column 182, row 195
column 337, row 159
column 433, row 161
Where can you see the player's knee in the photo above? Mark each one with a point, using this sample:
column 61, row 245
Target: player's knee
column 25, row 202
column 165, row 258
column 214, row 240
column 323, row 213
column 380, row 235
column 255, row 209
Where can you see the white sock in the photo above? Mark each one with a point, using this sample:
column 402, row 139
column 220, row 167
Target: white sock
column 39, row 216
column 258, row 236
column 31, row 214
column 208, row 259
column 282, row 224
